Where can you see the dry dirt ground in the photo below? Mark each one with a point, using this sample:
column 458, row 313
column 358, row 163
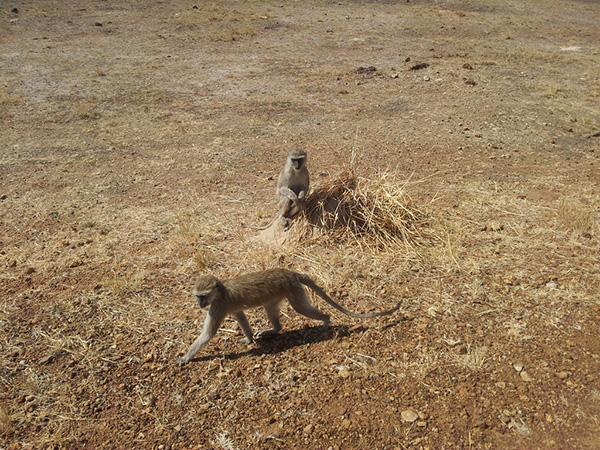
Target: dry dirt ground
column 138, row 142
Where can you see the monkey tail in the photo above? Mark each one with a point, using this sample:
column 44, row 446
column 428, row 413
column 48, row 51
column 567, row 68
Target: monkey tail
column 307, row 281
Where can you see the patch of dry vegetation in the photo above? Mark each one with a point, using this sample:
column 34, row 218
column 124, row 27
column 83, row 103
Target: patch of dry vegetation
column 577, row 217
column 376, row 212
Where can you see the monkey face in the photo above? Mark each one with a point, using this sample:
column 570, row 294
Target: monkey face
column 297, row 163
column 297, row 158
column 204, row 290
column 203, row 298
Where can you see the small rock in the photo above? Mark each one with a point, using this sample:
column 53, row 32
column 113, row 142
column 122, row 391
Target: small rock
column 426, row 78
column 525, row 376
column 343, row 372
column 409, row 415
column 549, row 418
column 308, row 428
column 394, row 75
column 421, row 423
column 366, row 70
column 29, row 271
column 563, row 375
column 467, row 66
column 419, row 66
column 518, row 367
column 346, row 423
column 98, row 24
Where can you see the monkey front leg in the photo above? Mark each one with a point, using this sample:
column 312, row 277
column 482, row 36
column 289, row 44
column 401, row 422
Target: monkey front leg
column 290, row 203
column 211, row 325
column 286, row 192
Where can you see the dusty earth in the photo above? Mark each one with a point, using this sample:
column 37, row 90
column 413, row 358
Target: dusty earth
column 140, row 140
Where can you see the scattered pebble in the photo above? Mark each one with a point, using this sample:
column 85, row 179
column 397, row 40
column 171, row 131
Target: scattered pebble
column 409, row 415
column 343, row 372
column 525, row 376
column 419, row 66
column 365, row 70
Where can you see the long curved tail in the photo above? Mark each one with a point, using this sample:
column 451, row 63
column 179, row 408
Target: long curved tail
column 307, row 281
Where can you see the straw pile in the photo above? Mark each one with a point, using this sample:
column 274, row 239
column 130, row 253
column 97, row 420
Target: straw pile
column 377, row 211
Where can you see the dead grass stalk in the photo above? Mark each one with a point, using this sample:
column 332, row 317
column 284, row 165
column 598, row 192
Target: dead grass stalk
column 376, row 212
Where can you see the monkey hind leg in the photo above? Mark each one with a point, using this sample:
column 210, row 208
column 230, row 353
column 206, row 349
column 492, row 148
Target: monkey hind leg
column 242, row 321
column 302, row 305
column 273, row 315
column 290, row 209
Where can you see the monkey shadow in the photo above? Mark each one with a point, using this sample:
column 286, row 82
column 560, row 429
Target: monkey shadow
column 287, row 340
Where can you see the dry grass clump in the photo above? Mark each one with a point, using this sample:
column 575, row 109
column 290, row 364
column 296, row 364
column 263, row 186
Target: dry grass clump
column 378, row 210
column 577, row 217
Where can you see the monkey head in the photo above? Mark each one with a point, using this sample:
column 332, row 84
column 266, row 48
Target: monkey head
column 297, row 158
column 205, row 290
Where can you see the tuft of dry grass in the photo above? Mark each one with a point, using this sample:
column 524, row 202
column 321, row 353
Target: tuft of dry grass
column 577, row 217
column 378, row 211
column 474, row 357
column 5, row 422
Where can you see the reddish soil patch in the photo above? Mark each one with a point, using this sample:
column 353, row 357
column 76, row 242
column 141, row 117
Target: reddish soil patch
column 139, row 142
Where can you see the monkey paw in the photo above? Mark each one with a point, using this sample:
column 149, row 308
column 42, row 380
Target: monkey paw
column 265, row 333
column 182, row 360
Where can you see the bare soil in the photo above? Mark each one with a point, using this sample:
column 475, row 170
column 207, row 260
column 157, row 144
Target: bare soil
column 140, row 140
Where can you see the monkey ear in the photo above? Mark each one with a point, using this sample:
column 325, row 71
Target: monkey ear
column 218, row 284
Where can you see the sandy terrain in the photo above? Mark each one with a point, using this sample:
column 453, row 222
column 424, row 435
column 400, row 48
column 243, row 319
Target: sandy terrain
column 139, row 141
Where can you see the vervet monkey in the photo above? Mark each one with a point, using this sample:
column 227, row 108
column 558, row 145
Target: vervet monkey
column 267, row 288
column 292, row 187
